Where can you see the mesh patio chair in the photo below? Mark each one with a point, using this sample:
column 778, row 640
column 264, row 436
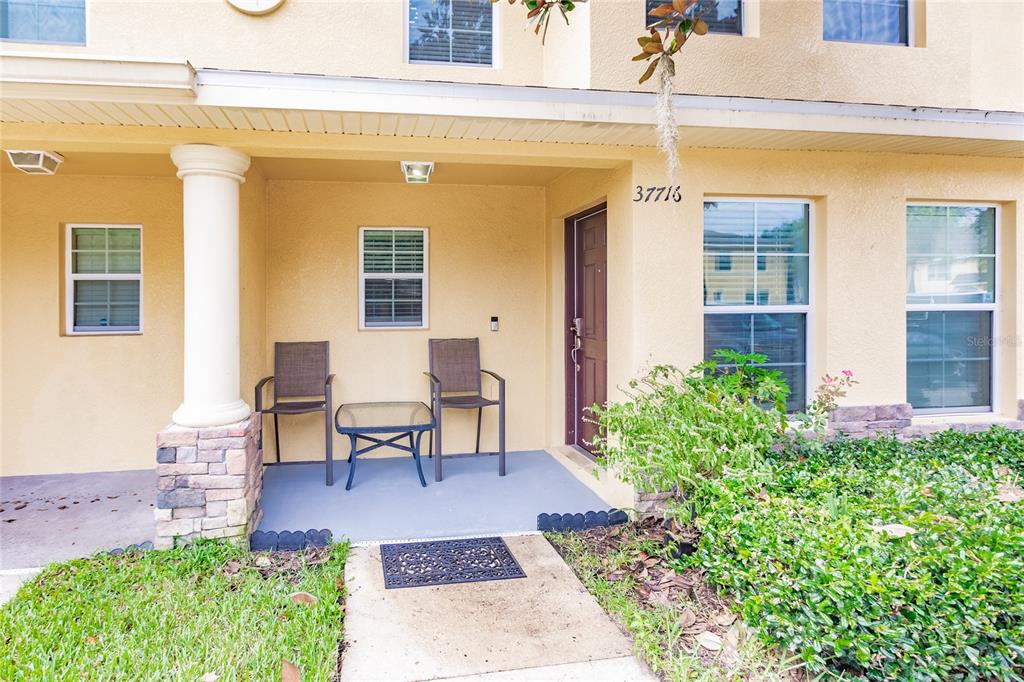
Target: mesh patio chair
column 302, row 384
column 455, row 383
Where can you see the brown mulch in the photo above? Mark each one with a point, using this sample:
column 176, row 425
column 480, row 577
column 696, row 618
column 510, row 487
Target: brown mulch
column 286, row 565
column 705, row 616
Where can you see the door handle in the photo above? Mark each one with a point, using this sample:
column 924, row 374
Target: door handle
column 574, row 350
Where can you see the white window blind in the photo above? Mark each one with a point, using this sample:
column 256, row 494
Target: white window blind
column 451, row 31
column 393, row 277
column 103, row 272
column 951, row 297
column 757, row 284
column 43, row 21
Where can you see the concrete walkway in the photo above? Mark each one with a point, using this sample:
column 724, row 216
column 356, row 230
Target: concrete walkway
column 542, row 627
column 64, row 516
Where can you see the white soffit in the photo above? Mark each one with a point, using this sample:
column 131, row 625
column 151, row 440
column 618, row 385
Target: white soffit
column 85, row 90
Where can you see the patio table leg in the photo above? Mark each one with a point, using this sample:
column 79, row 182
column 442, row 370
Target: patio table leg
column 416, row 455
column 353, row 456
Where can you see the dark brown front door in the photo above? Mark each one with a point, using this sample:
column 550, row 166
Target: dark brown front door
column 587, row 322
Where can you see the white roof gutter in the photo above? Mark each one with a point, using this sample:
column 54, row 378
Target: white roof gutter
column 381, row 96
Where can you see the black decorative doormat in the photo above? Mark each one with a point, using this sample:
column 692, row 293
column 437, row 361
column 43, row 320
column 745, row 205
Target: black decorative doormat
column 446, row 562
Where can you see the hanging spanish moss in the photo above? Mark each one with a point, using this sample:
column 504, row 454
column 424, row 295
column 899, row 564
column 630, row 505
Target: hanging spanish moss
column 665, row 119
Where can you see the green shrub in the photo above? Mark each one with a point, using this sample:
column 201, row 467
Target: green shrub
column 677, row 427
column 793, row 539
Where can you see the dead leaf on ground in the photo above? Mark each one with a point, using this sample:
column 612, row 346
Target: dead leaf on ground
column 894, row 530
column 210, row 677
column 304, row 598
column 232, row 567
column 726, row 618
column 659, row 599
column 263, row 561
column 289, row 673
column 687, row 618
column 1009, row 492
column 709, row 640
column 91, row 640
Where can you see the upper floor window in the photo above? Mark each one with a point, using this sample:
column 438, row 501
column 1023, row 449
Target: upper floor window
column 104, row 279
column 951, row 297
column 721, row 16
column 760, row 302
column 866, row 21
column 43, row 21
column 451, row 31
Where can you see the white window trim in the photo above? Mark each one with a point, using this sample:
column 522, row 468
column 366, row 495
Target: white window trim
column 424, row 276
column 85, row 39
column 992, row 307
column 495, row 28
column 806, row 309
column 910, row 31
column 70, row 279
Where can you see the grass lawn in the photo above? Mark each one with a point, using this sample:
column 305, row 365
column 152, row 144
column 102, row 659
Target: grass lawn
column 180, row 614
column 667, row 613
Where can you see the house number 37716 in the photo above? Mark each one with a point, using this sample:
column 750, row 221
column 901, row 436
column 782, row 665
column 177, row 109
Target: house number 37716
column 649, row 194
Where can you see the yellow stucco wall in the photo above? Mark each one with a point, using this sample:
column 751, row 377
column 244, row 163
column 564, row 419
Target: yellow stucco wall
column 486, row 257
column 86, row 403
column 78, row 404
column 963, row 54
column 94, row 403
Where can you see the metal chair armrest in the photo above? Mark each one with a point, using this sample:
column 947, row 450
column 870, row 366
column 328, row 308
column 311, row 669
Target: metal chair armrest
column 488, row 372
column 259, row 391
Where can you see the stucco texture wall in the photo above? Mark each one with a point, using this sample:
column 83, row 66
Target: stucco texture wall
column 859, row 255
column 334, row 37
column 74, row 404
column 486, row 257
column 965, row 55
column 94, row 403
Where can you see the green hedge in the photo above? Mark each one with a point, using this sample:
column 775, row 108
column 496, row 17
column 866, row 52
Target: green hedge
column 793, row 540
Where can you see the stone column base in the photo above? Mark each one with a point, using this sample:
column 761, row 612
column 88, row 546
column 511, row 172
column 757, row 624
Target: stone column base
column 209, row 482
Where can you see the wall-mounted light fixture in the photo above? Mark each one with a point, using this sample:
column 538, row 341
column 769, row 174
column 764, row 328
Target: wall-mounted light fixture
column 417, row 172
column 35, row 162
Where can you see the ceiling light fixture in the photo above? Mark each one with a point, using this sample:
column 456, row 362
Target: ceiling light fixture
column 417, row 172
column 35, row 162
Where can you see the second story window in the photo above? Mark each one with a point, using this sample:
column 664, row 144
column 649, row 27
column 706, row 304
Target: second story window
column 866, row 21
column 43, row 21
column 721, row 16
column 451, row 31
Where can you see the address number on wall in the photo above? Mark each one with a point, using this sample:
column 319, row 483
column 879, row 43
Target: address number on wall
column 651, row 194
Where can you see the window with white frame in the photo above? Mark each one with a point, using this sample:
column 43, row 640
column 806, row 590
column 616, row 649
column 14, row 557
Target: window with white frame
column 392, row 277
column 103, row 273
column 866, row 21
column 721, row 16
column 951, row 299
column 43, row 21
column 760, row 303
column 451, row 32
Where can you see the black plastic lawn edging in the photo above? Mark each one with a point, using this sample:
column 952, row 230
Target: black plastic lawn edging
column 141, row 547
column 592, row 519
column 288, row 540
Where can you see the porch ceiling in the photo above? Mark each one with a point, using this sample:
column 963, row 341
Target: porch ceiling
column 336, row 170
column 93, row 92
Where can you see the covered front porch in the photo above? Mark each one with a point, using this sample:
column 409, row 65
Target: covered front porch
column 386, row 501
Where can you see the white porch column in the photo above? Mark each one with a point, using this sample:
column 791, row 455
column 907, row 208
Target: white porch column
column 211, row 176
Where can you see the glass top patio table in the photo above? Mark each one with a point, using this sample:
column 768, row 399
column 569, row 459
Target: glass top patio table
column 384, row 417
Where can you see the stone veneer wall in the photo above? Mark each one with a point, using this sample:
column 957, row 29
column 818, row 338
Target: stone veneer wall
column 209, row 482
column 868, row 421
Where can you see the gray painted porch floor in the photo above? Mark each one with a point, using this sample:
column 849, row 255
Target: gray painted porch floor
column 387, row 502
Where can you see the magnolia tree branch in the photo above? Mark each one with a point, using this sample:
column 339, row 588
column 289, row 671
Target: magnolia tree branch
column 674, row 23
